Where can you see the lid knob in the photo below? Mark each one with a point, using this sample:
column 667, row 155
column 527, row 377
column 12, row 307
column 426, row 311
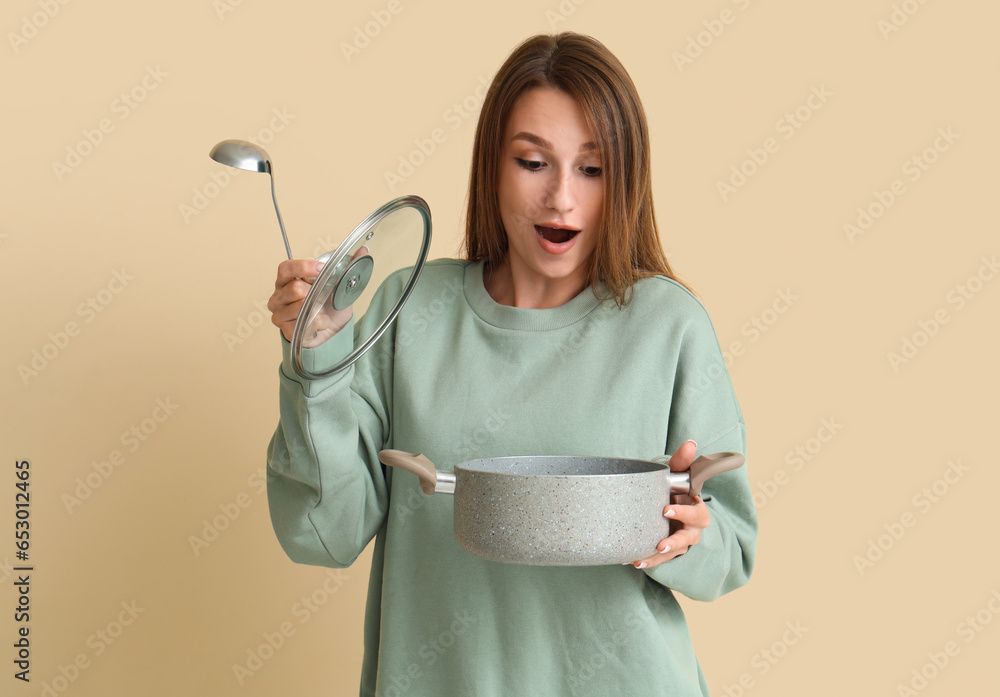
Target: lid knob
column 353, row 282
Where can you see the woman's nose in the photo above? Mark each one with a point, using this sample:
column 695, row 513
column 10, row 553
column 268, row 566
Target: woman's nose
column 560, row 195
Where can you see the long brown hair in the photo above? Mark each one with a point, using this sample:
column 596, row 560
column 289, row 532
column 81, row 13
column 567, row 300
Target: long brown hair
column 628, row 246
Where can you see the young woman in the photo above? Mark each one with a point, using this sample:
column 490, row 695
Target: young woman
column 562, row 332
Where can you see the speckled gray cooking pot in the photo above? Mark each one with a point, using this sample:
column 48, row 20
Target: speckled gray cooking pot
column 561, row 511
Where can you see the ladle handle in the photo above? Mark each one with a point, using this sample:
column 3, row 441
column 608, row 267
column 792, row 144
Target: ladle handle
column 431, row 480
column 281, row 223
column 707, row 466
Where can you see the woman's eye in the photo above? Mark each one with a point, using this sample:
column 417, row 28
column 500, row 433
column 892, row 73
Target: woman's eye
column 591, row 171
column 530, row 165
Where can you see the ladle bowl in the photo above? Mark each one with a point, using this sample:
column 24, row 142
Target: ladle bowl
column 247, row 156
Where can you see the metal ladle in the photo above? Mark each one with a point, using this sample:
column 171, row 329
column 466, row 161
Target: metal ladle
column 243, row 155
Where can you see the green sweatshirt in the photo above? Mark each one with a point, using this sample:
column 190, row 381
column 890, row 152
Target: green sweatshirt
column 460, row 377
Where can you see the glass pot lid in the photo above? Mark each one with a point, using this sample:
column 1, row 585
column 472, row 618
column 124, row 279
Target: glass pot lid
column 396, row 236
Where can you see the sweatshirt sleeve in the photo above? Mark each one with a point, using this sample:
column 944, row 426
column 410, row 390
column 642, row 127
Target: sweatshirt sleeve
column 704, row 408
column 327, row 491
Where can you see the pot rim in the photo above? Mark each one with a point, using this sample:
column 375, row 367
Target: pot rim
column 646, row 466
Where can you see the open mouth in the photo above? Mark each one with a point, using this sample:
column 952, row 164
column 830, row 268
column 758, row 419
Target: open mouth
column 556, row 235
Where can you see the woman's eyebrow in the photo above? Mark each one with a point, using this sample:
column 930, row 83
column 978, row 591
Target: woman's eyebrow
column 542, row 143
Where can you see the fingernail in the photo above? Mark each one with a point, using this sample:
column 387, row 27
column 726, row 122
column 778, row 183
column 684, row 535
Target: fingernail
column 665, row 549
column 643, row 565
column 695, row 443
column 670, row 513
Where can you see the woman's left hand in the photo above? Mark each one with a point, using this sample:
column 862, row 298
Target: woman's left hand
column 690, row 511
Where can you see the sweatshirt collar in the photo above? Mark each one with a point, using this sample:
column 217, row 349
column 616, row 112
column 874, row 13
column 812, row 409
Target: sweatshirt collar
column 506, row 317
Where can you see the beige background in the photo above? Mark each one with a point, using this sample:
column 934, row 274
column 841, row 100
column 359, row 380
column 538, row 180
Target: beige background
column 196, row 277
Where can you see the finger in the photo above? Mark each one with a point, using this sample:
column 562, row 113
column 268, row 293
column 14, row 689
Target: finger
column 292, row 269
column 697, row 515
column 670, row 548
column 286, row 317
column 287, row 327
column 321, row 323
column 684, row 456
column 658, row 557
column 694, row 517
column 648, row 562
column 680, row 542
column 294, row 292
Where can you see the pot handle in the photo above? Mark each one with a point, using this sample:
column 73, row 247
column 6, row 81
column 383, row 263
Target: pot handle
column 707, row 466
column 430, row 479
column 701, row 470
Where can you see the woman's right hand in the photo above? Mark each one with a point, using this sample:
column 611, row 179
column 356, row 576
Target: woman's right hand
column 295, row 278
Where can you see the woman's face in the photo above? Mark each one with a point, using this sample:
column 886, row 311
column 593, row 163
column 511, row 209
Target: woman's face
column 551, row 191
